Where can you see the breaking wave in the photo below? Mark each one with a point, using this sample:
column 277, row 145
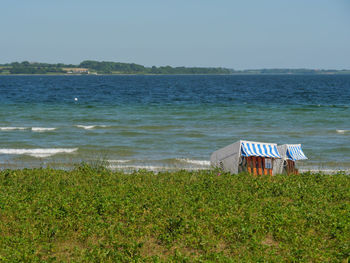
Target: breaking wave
column 196, row 162
column 153, row 168
column 40, row 129
column 343, row 131
column 34, row 129
column 325, row 171
column 39, row 153
column 159, row 165
column 12, row 128
column 118, row 161
column 90, row 127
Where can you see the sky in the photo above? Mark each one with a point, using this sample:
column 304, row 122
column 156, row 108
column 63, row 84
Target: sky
column 238, row 34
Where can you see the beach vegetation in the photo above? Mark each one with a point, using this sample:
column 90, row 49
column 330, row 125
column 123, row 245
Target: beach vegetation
column 92, row 214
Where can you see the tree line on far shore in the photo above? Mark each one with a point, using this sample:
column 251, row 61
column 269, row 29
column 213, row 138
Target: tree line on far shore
column 106, row 67
column 103, row 67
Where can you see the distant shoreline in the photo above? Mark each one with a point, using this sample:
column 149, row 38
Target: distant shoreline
column 90, row 67
column 148, row 74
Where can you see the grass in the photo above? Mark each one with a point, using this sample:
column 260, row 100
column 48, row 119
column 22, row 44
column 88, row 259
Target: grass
column 91, row 214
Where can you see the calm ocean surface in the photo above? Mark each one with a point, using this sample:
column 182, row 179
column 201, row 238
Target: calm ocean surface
column 169, row 122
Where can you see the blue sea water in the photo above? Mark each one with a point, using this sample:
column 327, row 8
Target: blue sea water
column 170, row 122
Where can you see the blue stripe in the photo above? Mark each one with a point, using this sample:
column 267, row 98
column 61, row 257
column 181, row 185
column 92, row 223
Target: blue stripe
column 270, row 154
column 253, row 146
column 265, row 149
column 260, row 151
column 249, row 151
column 243, row 152
column 276, row 152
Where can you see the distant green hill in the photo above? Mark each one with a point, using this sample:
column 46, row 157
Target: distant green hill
column 106, row 67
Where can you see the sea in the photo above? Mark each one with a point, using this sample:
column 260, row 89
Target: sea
column 169, row 122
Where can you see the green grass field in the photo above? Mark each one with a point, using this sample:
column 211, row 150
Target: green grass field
column 96, row 215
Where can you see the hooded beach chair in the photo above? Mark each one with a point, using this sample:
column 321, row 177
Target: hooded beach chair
column 290, row 154
column 256, row 158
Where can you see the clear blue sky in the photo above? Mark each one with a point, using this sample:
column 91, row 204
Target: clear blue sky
column 240, row 34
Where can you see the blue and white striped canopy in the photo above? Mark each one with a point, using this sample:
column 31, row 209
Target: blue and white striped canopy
column 294, row 152
column 259, row 149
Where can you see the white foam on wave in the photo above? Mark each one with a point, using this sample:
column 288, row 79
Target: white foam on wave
column 40, row 129
column 39, row 153
column 325, row 171
column 196, row 162
column 342, row 131
column 34, row 129
column 153, row 168
column 118, row 161
column 137, row 167
column 86, row 127
column 12, row 128
column 90, row 127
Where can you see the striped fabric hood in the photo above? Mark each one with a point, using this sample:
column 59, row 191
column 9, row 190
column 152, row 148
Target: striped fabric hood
column 295, row 153
column 259, row 149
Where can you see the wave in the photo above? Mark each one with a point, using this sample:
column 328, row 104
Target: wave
column 197, row 162
column 34, row 129
column 40, row 129
column 90, row 127
column 12, row 128
column 342, row 131
column 153, row 168
column 159, row 165
column 39, row 153
column 138, row 167
column 325, row 171
column 118, row 161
